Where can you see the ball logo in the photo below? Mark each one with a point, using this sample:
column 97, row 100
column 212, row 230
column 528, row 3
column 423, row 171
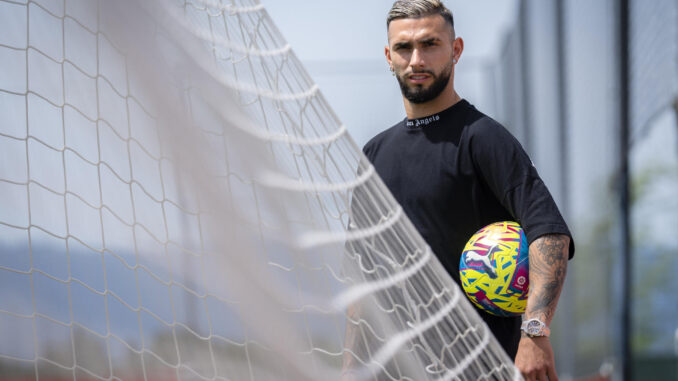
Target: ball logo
column 472, row 257
column 521, row 280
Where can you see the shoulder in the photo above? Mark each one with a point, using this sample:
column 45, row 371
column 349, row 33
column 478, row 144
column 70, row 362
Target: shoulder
column 484, row 128
column 382, row 138
column 493, row 148
column 484, row 134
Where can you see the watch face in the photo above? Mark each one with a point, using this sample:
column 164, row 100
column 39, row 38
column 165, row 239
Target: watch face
column 533, row 327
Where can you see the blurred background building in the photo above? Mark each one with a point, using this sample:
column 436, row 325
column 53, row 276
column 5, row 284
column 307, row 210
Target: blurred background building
column 592, row 94
column 565, row 90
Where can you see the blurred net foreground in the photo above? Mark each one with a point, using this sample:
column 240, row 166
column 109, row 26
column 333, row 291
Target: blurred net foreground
column 180, row 202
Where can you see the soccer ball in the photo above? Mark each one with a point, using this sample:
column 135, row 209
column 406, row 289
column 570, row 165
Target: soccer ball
column 494, row 269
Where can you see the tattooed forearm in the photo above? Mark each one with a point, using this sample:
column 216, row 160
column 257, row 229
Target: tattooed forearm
column 548, row 267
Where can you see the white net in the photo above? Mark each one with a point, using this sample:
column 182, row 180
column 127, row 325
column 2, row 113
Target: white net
column 180, row 202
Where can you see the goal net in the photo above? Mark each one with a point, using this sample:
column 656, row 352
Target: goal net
column 179, row 201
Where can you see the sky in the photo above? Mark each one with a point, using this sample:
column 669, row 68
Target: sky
column 341, row 44
column 355, row 30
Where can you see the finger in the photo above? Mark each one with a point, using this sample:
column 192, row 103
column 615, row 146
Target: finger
column 541, row 376
column 526, row 376
column 553, row 376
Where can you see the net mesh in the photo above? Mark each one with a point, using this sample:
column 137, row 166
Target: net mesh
column 180, row 202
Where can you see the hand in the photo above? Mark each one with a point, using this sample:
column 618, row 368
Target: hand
column 535, row 359
column 348, row 375
column 350, row 369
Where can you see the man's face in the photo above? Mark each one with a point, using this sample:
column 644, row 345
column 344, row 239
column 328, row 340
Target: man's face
column 421, row 51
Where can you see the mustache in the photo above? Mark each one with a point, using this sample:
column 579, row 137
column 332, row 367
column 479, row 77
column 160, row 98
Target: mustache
column 420, row 71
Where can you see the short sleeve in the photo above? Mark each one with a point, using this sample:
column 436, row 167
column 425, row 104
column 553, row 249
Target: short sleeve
column 509, row 173
column 368, row 149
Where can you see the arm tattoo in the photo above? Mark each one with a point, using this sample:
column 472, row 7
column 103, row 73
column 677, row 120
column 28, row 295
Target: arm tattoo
column 548, row 267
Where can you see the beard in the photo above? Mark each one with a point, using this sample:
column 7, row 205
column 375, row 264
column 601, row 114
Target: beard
column 419, row 93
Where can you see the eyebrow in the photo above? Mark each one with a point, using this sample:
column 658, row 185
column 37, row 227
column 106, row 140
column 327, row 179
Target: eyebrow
column 399, row 45
column 408, row 44
column 429, row 40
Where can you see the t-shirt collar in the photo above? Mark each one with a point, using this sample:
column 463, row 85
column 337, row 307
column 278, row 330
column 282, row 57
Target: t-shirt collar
column 434, row 119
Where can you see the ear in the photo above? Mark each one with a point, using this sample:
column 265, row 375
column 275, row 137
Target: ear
column 387, row 53
column 457, row 48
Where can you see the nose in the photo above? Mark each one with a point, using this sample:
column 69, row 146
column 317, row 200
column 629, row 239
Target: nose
column 417, row 59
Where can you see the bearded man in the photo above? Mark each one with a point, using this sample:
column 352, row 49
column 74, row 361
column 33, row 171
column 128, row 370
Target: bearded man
column 454, row 170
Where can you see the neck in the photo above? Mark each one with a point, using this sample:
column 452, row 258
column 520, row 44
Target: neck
column 418, row 110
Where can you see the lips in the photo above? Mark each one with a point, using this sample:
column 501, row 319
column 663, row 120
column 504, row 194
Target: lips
column 418, row 78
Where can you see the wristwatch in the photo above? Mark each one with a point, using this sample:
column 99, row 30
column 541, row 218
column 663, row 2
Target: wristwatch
column 535, row 328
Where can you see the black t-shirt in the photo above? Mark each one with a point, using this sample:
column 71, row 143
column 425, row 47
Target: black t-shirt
column 457, row 171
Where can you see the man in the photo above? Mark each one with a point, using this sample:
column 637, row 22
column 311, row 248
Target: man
column 455, row 170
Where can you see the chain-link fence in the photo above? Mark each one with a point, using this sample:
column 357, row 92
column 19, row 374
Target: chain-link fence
column 654, row 184
column 558, row 89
